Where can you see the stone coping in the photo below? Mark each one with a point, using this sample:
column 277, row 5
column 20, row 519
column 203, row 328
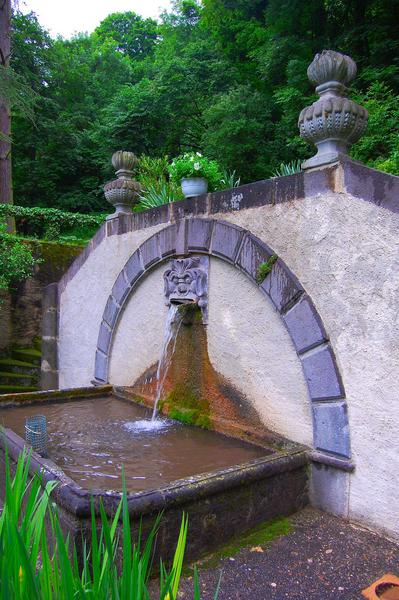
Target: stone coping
column 9, row 400
column 346, row 175
column 77, row 500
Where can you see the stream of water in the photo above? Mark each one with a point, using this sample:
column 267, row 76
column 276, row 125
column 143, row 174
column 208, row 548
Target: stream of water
column 171, row 331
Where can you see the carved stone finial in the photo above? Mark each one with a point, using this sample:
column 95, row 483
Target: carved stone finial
column 123, row 191
column 186, row 281
column 333, row 123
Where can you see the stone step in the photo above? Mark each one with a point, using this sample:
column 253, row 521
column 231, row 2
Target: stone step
column 31, row 355
column 13, row 365
column 10, row 378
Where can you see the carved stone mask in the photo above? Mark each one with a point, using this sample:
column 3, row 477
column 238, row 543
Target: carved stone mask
column 187, row 281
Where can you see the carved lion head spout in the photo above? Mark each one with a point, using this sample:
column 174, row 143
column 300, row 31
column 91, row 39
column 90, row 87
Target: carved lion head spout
column 186, row 281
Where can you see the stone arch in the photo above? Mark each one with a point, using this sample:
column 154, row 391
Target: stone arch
column 245, row 251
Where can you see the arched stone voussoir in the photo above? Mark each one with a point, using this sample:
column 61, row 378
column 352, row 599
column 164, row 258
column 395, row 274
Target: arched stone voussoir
column 241, row 248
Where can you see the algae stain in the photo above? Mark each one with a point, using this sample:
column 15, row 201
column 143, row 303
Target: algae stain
column 185, row 405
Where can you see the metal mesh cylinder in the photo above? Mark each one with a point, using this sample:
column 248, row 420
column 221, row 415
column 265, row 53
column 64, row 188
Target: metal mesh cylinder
column 36, row 433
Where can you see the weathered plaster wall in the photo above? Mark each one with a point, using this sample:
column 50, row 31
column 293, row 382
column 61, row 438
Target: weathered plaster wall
column 345, row 253
column 247, row 343
column 80, row 319
column 343, row 247
column 138, row 339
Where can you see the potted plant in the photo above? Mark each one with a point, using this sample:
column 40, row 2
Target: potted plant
column 195, row 173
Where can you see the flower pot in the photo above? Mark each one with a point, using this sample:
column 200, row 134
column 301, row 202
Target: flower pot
column 194, row 186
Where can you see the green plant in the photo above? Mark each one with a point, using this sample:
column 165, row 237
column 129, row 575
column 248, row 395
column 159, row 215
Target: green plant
column 229, row 180
column 288, row 168
column 193, row 164
column 48, row 223
column 157, row 189
column 16, row 259
column 31, row 568
column 265, row 268
column 155, row 195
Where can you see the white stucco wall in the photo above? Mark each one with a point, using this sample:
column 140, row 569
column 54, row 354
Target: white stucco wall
column 345, row 253
column 247, row 343
column 80, row 320
column 138, row 338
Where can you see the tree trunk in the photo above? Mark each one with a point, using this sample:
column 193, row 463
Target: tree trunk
column 5, row 114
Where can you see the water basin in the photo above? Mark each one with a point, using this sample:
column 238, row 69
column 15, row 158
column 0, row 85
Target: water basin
column 91, row 439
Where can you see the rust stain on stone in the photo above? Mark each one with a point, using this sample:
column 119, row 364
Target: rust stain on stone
column 196, row 393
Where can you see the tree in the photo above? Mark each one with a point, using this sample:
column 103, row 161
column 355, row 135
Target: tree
column 133, row 35
column 5, row 115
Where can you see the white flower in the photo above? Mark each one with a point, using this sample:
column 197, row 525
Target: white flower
column 197, row 166
column 198, row 154
column 191, row 158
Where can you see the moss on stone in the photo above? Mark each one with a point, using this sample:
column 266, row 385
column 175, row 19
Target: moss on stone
column 259, row 537
column 190, row 417
column 186, row 405
column 265, row 268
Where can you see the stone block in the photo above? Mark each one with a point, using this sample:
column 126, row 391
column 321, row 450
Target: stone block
column 304, row 325
column 281, row 286
column 167, row 241
column 371, row 185
column 50, row 354
column 120, row 289
column 151, row 217
column 190, row 207
column 199, row 232
column 49, row 380
column 329, row 490
column 320, row 181
column 50, row 297
column 331, row 427
column 288, row 188
column 104, row 338
column 181, row 237
column 50, row 324
column 251, row 195
column 134, row 268
column 101, row 367
column 226, row 240
column 111, row 312
column 253, row 253
column 150, row 252
column 321, row 374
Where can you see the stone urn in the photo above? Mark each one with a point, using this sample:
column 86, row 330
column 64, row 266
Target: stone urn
column 194, row 186
column 122, row 192
column 333, row 123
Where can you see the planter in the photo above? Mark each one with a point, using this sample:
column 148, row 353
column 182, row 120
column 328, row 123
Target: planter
column 194, row 186
column 122, row 192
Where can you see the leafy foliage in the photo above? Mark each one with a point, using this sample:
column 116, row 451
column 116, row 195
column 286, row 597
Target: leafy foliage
column 16, row 260
column 48, row 223
column 224, row 78
column 288, row 168
column 24, row 539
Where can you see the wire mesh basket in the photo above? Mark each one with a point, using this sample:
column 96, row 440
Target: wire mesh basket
column 36, row 433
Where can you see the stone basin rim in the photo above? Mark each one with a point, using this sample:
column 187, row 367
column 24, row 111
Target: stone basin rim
column 78, row 500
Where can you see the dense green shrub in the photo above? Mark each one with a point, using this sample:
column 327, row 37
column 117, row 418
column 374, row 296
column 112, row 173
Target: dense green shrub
column 49, row 223
column 16, row 259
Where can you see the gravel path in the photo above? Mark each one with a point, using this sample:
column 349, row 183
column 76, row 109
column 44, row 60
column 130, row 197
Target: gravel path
column 323, row 558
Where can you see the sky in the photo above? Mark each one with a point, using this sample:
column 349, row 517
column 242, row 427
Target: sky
column 66, row 17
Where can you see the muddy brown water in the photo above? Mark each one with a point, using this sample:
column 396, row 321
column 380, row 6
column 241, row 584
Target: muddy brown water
column 91, row 439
